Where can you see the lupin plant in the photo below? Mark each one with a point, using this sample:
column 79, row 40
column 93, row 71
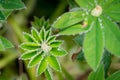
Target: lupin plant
column 97, row 19
column 42, row 49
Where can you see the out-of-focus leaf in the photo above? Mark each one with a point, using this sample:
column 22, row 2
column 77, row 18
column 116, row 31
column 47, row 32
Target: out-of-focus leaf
column 114, row 76
column 4, row 44
column 79, row 39
column 106, row 60
column 98, row 74
column 72, row 4
column 12, row 4
column 80, row 56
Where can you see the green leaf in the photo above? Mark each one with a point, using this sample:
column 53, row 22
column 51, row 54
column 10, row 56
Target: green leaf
column 36, row 59
column 42, row 66
column 106, row 60
column 29, row 37
column 35, row 34
column 2, row 17
column 58, row 52
column 72, row 4
column 94, row 45
column 42, row 34
column 112, row 36
column 48, row 74
column 12, row 4
column 51, row 39
column 80, row 56
column 4, row 44
column 48, row 33
column 114, row 76
column 56, row 43
column 68, row 19
column 28, row 54
column 4, row 14
column 84, row 3
column 29, row 46
column 72, row 30
column 53, row 62
column 98, row 75
column 113, row 12
column 79, row 39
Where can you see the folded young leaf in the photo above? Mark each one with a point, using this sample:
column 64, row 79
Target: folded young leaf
column 53, row 62
column 28, row 54
column 93, row 46
column 42, row 67
column 56, row 43
column 68, row 19
column 112, row 36
column 36, row 59
column 29, row 37
column 35, row 34
column 51, row 39
column 48, row 74
column 114, row 76
column 42, row 34
column 58, row 52
column 30, row 46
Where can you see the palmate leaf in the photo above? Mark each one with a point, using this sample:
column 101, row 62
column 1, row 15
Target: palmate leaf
column 112, row 36
column 93, row 45
column 98, row 74
column 58, row 52
column 68, row 19
column 42, row 66
column 4, row 44
column 53, row 62
column 114, row 76
column 36, row 59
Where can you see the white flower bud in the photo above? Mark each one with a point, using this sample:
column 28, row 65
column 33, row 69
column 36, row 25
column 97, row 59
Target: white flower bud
column 97, row 11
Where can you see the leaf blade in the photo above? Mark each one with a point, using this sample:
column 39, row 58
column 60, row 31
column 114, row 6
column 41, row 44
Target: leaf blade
column 93, row 46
